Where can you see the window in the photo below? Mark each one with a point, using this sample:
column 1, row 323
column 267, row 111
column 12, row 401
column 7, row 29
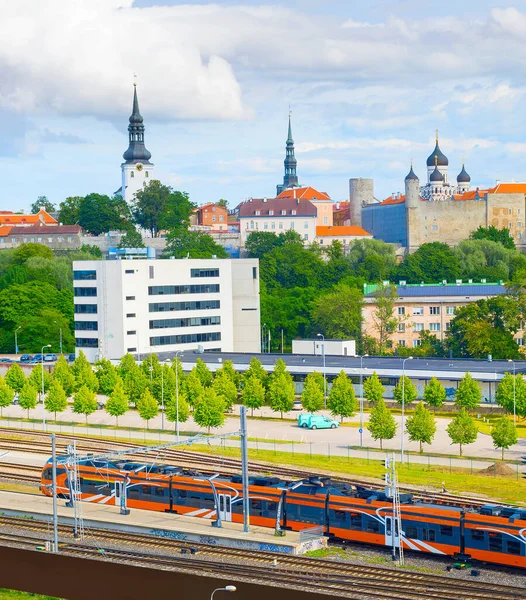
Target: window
column 434, row 326
column 495, row 541
column 254, row 272
column 265, row 225
column 165, row 290
column 509, row 225
column 401, row 327
column 273, row 225
column 321, row 241
column 132, row 174
column 130, row 297
column 59, row 239
column 84, row 275
column 132, row 332
column 418, row 310
column 428, row 535
column 70, row 239
column 281, row 225
column 173, row 306
column 446, row 530
column 151, row 271
column 292, row 224
column 221, row 218
column 204, row 272
column 402, row 343
column 130, row 315
column 401, row 310
column 514, row 547
column 283, row 212
column 417, row 343
column 509, row 211
column 519, row 224
column 257, row 213
column 189, row 322
column 190, row 338
column 447, row 326
column 271, row 212
column 85, row 291
column 434, row 227
column 86, row 342
column 251, row 224
column 292, row 212
column 306, row 236
column 305, row 224
column 477, row 535
column 86, row 325
column 146, row 174
column 325, row 220
column 373, row 526
column 418, row 327
column 450, row 310
column 519, row 235
column 520, row 341
column 129, row 271
column 411, row 532
column 84, row 309
column 434, row 310
column 131, row 350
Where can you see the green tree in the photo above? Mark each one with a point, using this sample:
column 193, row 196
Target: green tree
column 180, row 380
column 225, row 387
column 6, row 394
column 504, row 434
column 62, row 373
column 468, row 394
column 99, row 213
column 372, row 259
column 384, row 321
column 432, row 262
column 56, row 399
column 127, row 364
column 203, row 372
column 84, row 402
column 35, row 378
column 182, row 243
column 502, row 236
column 42, row 202
column 382, row 425
column 312, row 398
column 84, row 374
column 107, row 376
column 135, row 384
column 172, row 410
column 421, row 426
column 210, row 410
column 506, row 392
column 227, row 368
column 256, row 368
column 405, row 391
column 68, row 211
column 151, row 367
column 194, row 388
column 147, row 407
column 149, row 204
column 15, row 377
column 177, row 212
column 373, row 390
column 338, row 313
column 30, row 250
column 342, row 400
column 434, row 393
column 117, row 404
column 462, row 429
column 164, row 384
column 131, row 239
column 27, row 398
column 281, row 393
column 260, row 243
column 253, row 393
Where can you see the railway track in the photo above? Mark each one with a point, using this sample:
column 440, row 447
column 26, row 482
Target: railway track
column 342, row 579
column 38, row 443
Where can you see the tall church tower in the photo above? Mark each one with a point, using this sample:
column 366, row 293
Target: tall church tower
column 290, row 179
column 137, row 168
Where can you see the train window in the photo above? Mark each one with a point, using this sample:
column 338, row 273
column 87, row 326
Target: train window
column 446, row 530
column 181, row 493
column 256, row 507
column 388, row 526
column 411, row 532
column 272, row 506
column 514, row 547
column 146, row 490
column 159, row 491
column 356, row 521
column 373, row 526
column 133, row 493
column 477, row 535
column 340, row 515
column 495, row 541
column 48, row 473
column 428, row 535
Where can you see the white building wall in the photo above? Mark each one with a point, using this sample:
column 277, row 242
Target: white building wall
column 133, row 178
column 123, row 306
column 332, row 347
column 305, row 226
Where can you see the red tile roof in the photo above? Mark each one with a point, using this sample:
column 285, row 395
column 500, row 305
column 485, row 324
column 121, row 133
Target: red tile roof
column 6, row 230
column 391, row 200
column 341, row 231
column 508, row 188
column 302, row 208
column 305, row 193
column 10, row 218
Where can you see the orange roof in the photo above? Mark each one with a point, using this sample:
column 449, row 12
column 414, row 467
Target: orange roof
column 509, row 188
column 304, row 193
column 12, row 219
column 391, row 200
column 341, row 231
column 4, row 230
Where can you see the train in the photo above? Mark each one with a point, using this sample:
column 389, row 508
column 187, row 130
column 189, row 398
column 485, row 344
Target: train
column 341, row 511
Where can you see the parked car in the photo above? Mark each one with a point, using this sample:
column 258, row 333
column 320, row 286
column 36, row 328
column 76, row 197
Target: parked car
column 37, row 358
column 316, row 422
column 297, row 405
column 15, row 399
column 50, row 357
column 100, row 405
column 26, row 358
column 7, row 360
column 71, row 357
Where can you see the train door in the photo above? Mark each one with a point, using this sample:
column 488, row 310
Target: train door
column 225, row 507
column 118, row 492
column 392, row 532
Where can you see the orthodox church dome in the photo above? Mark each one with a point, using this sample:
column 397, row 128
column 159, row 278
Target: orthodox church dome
column 436, row 176
column 411, row 175
column 463, row 176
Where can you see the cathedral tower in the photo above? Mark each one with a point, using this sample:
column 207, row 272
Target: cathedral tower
column 290, row 179
column 137, row 168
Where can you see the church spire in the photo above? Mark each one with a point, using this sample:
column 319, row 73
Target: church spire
column 290, row 178
column 137, row 152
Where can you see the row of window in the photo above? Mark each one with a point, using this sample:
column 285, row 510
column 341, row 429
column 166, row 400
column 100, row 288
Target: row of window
column 85, row 309
column 420, row 327
column 204, row 272
column 86, row 325
column 85, row 291
column 166, row 290
column 190, row 338
column 190, row 322
column 195, row 305
column 84, row 275
column 433, row 310
column 86, row 342
column 255, row 225
column 38, row 240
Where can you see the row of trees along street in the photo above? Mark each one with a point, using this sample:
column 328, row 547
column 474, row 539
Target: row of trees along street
column 208, row 396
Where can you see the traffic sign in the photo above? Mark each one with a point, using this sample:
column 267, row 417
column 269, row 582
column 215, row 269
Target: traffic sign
column 360, row 430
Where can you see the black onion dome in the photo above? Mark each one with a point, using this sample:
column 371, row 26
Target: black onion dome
column 411, row 175
column 436, row 176
column 463, row 176
column 437, row 158
column 136, row 151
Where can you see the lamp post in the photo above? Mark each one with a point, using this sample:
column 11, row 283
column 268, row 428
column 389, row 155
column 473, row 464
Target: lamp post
column 514, row 395
column 60, row 328
column 162, row 394
column 361, row 398
column 403, row 406
column 263, row 337
column 43, row 411
column 324, row 370
column 16, row 338
column 228, row 588
column 177, row 394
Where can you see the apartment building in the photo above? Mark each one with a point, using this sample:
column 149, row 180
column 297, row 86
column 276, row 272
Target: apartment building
column 426, row 307
column 146, row 305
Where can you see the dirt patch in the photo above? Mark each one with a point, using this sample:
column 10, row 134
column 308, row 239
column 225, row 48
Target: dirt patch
column 498, row 470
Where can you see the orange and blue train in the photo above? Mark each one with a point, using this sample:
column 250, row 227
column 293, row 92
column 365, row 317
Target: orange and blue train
column 493, row 534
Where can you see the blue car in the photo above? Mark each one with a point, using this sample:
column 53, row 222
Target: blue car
column 38, row 358
column 26, row 358
column 50, row 357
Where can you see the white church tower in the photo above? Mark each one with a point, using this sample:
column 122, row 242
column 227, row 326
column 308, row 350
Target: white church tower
column 137, row 168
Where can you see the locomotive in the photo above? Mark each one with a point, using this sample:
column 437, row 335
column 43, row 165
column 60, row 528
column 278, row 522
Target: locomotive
column 493, row 534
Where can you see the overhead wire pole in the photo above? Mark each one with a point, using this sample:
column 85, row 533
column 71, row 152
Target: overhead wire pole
column 54, row 491
column 244, row 468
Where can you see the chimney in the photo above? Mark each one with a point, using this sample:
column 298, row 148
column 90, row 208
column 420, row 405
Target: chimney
column 393, row 196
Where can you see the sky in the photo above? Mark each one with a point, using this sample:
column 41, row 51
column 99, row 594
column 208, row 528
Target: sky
column 368, row 83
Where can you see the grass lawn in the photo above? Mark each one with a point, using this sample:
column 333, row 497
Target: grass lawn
column 16, row 595
column 491, row 420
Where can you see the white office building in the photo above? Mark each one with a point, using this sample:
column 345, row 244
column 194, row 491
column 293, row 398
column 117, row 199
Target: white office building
column 144, row 306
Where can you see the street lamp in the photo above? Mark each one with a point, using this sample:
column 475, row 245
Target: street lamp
column 263, row 337
column 60, row 328
column 514, row 395
column 177, row 395
column 43, row 411
column 16, row 339
column 324, row 371
column 228, row 588
column 403, row 405
column 361, row 398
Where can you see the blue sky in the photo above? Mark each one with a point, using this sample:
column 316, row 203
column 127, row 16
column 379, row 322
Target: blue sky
column 368, row 83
